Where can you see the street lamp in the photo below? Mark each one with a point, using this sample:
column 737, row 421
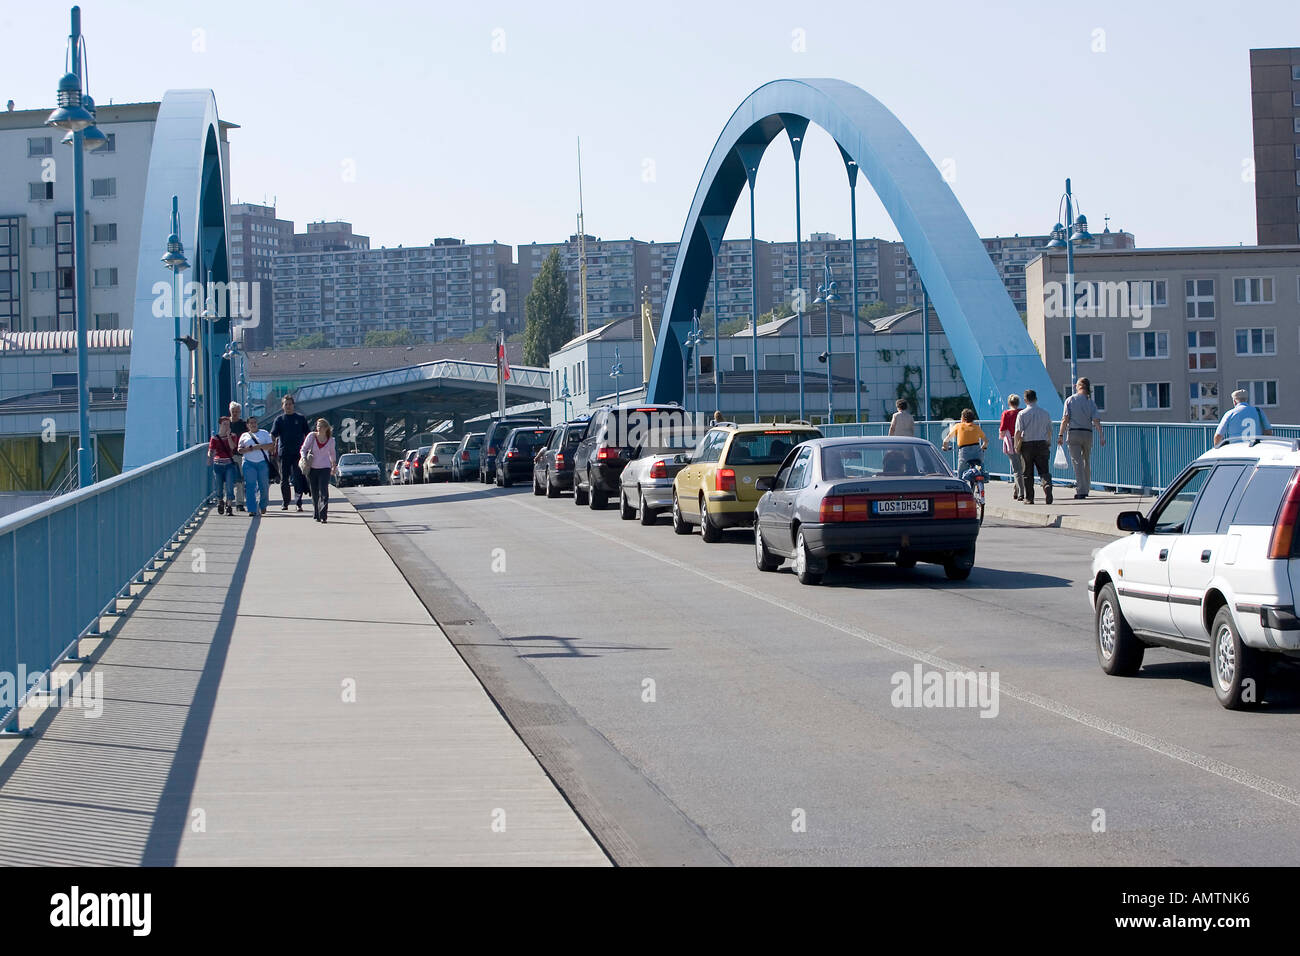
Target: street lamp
column 1061, row 239
column 209, row 318
column 826, row 293
column 235, row 351
column 174, row 259
column 615, row 371
column 565, row 394
column 72, row 115
column 693, row 338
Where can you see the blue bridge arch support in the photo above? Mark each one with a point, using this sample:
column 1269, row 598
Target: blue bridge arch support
column 988, row 340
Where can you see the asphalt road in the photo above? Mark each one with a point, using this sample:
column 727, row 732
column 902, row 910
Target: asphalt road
column 771, row 735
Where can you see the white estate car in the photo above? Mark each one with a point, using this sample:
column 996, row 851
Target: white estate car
column 1212, row 569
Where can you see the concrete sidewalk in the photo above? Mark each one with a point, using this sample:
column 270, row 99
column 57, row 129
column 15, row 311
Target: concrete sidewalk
column 277, row 695
column 1096, row 513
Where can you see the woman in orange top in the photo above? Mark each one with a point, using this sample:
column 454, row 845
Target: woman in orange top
column 970, row 438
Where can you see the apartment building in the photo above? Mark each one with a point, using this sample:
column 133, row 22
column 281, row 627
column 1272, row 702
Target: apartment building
column 1166, row 335
column 1275, row 114
column 257, row 235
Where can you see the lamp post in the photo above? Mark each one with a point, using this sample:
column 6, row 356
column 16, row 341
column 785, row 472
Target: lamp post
column 826, row 294
column 615, row 371
column 74, row 114
column 692, row 340
column 1062, row 238
column 174, row 259
column 565, row 394
column 210, row 391
column 235, row 351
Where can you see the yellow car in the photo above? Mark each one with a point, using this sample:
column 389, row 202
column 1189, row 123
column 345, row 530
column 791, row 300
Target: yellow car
column 717, row 488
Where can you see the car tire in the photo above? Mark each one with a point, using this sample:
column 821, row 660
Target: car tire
column 764, row 559
column 906, row 563
column 579, row 494
column 680, row 524
column 552, row 489
column 805, row 567
column 503, row 480
column 957, row 567
column 709, row 531
column 1235, row 669
column 538, row 490
column 1119, row 652
column 625, row 510
column 648, row 515
column 596, row 499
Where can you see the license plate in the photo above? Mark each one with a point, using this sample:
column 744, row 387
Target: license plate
column 907, row 506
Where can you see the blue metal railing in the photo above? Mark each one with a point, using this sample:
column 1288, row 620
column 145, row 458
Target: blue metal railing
column 63, row 563
column 1137, row 456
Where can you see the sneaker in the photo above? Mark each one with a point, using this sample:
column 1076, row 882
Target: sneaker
column 263, row 511
column 285, row 506
column 230, row 509
column 300, row 506
column 1048, row 492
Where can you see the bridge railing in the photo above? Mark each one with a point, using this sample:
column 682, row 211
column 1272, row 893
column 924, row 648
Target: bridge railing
column 64, row 562
column 1138, row 456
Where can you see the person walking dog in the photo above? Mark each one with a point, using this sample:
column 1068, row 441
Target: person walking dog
column 1080, row 417
column 319, row 460
column 1033, row 436
column 221, row 456
column 255, row 444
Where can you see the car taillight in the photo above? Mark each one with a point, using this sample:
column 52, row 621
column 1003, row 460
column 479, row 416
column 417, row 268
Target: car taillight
column 855, row 508
column 1279, row 545
column 724, row 479
column 832, row 509
column 559, row 459
column 464, row 456
column 608, row 453
column 511, row 453
column 659, row 470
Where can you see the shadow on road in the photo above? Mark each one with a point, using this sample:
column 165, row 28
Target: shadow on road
column 486, row 492
column 569, row 647
column 1281, row 684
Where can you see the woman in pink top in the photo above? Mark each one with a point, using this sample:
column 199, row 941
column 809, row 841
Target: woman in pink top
column 324, row 462
column 1007, row 429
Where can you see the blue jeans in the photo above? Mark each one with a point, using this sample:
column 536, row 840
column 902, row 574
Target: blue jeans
column 257, row 484
column 226, row 476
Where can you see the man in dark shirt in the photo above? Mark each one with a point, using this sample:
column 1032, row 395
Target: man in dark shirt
column 290, row 429
column 237, row 427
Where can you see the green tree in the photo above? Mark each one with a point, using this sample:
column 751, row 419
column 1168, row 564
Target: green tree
column 877, row 310
column 378, row 339
column 546, row 310
column 314, row 341
column 732, row 326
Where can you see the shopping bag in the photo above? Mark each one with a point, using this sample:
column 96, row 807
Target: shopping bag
column 1060, row 461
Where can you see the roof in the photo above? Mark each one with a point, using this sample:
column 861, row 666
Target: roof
column 905, row 322
column 604, row 332
column 64, row 341
column 296, row 363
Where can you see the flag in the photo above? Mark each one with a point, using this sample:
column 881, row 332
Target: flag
column 503, row 364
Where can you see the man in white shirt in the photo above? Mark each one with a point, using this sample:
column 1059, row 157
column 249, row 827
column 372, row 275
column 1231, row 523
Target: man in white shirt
column 1034, row 429
column 254, row 444
column 902, row 423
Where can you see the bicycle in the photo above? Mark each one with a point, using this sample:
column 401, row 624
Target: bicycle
column 976, row 476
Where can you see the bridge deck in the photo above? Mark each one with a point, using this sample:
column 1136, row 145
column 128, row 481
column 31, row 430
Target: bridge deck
column 225, row 737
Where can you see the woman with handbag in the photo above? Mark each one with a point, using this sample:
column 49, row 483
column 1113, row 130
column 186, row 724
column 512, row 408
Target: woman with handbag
column 319, row 461
column 221, row 456
column 1007, row 432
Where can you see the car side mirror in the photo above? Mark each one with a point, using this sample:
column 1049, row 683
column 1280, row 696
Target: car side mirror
column 765, row 483
column 1131, row 521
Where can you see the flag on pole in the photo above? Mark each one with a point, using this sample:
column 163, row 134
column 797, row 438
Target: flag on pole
column 503, row 364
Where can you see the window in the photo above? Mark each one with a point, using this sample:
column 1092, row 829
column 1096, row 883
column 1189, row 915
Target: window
column 1295, row 73
column 110, row 145
column 63, row 380
column 1263, row 497
column 1099, row 396
column 1171, row 515
column 1214, row 498
column 1262, row 392
column 800, row 469
column 42, row 281
column 1204, row 399
column 711, row 446
column 105, row 278
column 103, row 188
column 1090, row 347
column 1148, row 396
column 106, row 232
column 1295, row 99
column 1202, row 350
column 1200, row 298
column 1148, row 345
column 38, row 192
column 106, row 320
column 1148, row 292
column 1256, row 341
column 739, row 363
column 44, row 323
column 1252, row 290
column 42, row 235
column 40, row 146
column 783, row 362
column 1296, row 123
column 65, row 232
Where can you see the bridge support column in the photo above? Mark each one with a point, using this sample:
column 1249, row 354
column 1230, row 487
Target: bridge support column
column 379, row 421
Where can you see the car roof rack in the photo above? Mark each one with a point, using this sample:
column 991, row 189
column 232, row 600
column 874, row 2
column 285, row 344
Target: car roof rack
column 1254, row 440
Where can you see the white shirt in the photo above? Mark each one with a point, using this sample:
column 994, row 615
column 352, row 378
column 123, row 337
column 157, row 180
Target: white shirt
column 249, row 439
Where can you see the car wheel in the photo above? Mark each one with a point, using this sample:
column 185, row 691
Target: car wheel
column 538, row 490
column 503, row 479
column 596, row 499
column 906, row 562
column 763, row 558
column 1119, row 652
column 1234, row 668
column 648, row 515
column 709, row 530
column 680, row 524
column 808, row 571
column 579, row 494
column 625, row 510
column 958, row 567
column 552, row 489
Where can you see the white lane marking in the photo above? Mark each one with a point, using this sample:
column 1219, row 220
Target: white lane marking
column 1157, row 745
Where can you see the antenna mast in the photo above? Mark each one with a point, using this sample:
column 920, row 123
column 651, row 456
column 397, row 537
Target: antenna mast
column 582, row 249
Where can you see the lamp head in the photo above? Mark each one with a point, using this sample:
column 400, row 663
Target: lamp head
column 1081, row 235
column 70, row 114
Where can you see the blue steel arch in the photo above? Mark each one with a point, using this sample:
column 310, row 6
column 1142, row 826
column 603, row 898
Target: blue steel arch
column 990, row 343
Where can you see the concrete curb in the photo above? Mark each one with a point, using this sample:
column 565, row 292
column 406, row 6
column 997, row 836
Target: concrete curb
column 1051, row 519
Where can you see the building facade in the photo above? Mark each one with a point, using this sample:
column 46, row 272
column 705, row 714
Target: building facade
column 1275, row 115
column 257, row 235
column 1166, row 335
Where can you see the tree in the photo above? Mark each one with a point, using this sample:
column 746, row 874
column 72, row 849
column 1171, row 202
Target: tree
column 378, row 339
column 546, row 310
column 314, row 341
column 877, row 310
column 732, row 326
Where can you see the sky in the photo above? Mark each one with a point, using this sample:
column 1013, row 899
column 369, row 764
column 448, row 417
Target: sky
column 414, row 120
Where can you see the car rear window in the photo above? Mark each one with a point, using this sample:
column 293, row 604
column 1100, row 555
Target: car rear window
column 882, row 459
column 639, row 427
column 1263, row 496
column 474, row 441
column 765, row 448
column 357, row 460
column 530, row 439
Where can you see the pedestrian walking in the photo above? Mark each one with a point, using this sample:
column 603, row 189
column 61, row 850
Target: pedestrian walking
column 1243, row 420
column 221, row 456
column 322, row 460
column 1033, row 438
column 289, row 431
column 237, row 428
column 1007, row 432
column 256, row 444
column 1080, row 418
column 902, row 424
column 970, row 439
